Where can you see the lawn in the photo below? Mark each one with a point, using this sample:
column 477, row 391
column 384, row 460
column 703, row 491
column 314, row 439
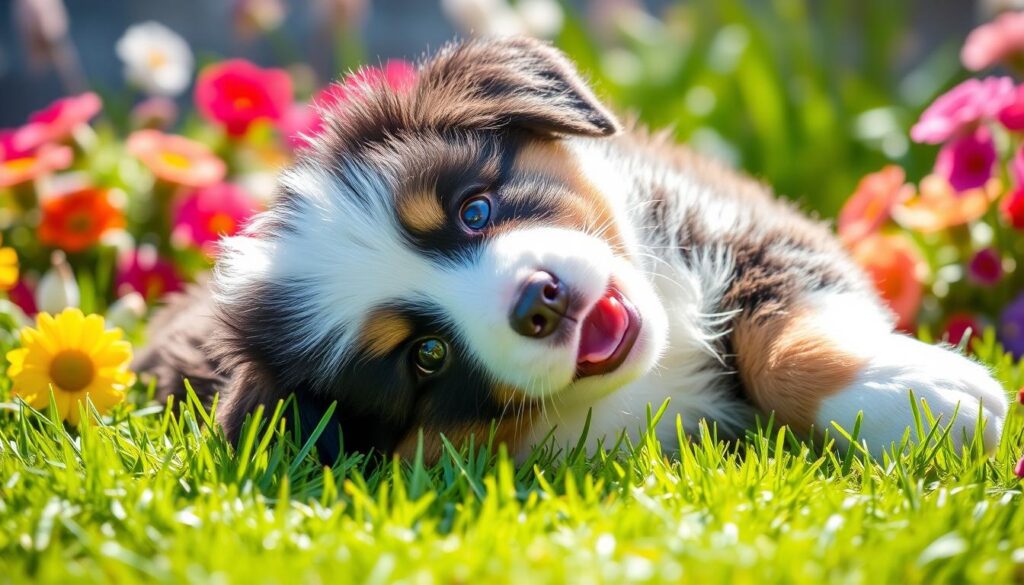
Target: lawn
column 818, row 99
column 154, row 494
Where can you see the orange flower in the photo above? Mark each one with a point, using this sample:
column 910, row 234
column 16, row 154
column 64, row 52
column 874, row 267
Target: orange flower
column 77, row 220
column 872, row 202
column 940, row 206
column 177, row 159
column 897, row 270
column 19, row 165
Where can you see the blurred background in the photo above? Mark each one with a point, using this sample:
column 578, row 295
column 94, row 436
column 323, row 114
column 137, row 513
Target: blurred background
column 760, row 83
column 136, row 133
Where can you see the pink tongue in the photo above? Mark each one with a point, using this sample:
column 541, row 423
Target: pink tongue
column 602, row 330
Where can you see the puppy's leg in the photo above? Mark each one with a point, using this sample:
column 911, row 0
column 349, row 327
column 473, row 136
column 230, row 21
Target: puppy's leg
column 831, row 356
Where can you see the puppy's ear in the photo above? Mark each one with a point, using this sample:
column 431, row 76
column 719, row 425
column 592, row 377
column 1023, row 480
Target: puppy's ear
column 511, row 82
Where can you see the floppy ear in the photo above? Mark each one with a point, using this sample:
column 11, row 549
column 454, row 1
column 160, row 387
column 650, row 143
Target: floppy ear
column 511, row 82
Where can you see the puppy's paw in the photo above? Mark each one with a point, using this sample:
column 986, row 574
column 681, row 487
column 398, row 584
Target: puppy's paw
column 955, row 389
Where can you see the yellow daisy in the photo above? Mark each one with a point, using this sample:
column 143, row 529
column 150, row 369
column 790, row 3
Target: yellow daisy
column 8, row 268
column 73, row 354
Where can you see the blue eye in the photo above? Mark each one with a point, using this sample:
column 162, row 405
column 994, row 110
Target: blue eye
column 476, row 213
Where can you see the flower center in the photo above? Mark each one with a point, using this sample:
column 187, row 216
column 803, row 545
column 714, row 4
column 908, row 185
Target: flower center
column 80, row 223
column 71, row 370
column 221, row 223
column 175, row 160
column 156, row 59
column 242, row 103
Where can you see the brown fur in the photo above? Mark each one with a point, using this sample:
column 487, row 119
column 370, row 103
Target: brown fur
column 383, row 331
column 788, row 367
column 421, row 211
column 584, row 207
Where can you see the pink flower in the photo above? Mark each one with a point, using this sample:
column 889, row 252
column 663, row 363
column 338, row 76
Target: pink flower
column 307, row 121
column 1018, row 469
column 56, row 122
column 871, row 203
column 299, row 124
column 207, row 214
column 967, row 161
column 19, row 165
column 986, row 267
column 237, row 93
column 962, row 108
column 144, row 272
column 157, row 113
column 994, row 41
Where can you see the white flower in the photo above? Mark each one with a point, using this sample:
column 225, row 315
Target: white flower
column 156, row 59
column 126, row 312
column 539, row 18
column 57, row 289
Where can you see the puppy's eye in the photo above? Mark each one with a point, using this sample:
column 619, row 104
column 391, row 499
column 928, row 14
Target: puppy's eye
column 430, row 355
column 476, row 212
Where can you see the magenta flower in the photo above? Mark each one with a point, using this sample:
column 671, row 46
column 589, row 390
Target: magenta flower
column 209, row 213
column 56, row 122
column 985, row 268
column 1018, row 469
column 994, row 41
column 959, row 324
column 144, row 272
column 237, row 93
column 962, row 108
column 967, row 162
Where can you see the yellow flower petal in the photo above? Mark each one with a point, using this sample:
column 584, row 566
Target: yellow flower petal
column 66, row 338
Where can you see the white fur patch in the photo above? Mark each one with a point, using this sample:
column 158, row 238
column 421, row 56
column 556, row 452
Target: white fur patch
column 896, row 366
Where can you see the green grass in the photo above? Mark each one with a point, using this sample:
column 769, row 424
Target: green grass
column 153, row 494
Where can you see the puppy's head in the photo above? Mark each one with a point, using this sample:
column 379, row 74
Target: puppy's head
column 441, row 258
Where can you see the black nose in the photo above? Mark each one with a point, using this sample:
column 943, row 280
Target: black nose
column 541, row 306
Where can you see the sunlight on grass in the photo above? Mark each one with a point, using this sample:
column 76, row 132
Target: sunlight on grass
column 156, row 494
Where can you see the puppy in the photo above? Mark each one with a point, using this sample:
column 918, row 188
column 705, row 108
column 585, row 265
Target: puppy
column 490, row 245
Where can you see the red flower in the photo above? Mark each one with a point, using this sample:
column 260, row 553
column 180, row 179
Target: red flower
column 895, row 266
column 144, row 272
column 205, row 215
column 1012, row 208
column 77, row 220
column 871, row 204
column 957, row 326
column 57, row 121
column 397, row 74
column 237, row 93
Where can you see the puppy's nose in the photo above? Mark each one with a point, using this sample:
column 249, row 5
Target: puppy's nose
column 541, row 306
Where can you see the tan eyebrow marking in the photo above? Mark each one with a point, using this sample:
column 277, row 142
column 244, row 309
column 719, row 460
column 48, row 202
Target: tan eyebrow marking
column 383, row 331
column 421, row 212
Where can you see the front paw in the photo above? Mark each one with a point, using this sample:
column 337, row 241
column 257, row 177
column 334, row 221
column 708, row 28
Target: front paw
column 956, row 390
